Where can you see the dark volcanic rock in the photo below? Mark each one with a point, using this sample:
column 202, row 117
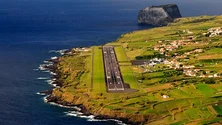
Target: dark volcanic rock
column 159, row 15
column 46, row 92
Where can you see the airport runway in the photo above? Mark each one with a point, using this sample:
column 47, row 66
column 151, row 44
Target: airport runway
column 113, row 75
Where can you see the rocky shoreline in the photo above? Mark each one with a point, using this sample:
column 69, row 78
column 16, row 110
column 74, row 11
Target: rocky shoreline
column 51, row 66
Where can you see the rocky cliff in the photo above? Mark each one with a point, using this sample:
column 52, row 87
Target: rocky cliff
column 159, row 15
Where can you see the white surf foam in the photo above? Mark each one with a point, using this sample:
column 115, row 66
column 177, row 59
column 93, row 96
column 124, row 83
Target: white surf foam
column 51, row 82
column 42, row 67
column 59, row 105
column 74, row 113
column 38, row 93
column 77, row 113
column 54, row 79
column 55, row 57
column 61, row 52
column 46, row 71
column 91, row 118
column 43, row 78
column 118, row 122
column 48, row 62
column 45, row 99
column 52, row 73
column 53, row 103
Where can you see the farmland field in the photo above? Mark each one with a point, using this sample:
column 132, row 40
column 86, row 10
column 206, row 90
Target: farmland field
column 218, row 109
column 205, row 89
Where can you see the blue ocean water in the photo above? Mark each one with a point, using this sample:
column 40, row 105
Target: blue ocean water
column 29, row 29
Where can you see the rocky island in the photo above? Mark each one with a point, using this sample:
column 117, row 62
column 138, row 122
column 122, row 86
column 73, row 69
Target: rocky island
column 176, row 70
column 159, row 15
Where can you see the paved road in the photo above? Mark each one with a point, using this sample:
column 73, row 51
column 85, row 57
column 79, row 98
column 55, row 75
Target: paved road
column 113, row 76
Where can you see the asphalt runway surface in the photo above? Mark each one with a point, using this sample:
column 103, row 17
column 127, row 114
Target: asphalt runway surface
column 114, row 81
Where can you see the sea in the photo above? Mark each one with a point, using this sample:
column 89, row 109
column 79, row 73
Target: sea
column 31, row 29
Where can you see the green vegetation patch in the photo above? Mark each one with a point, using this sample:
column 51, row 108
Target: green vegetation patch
column 180, row 122
column 211, row 60
column 191, row 89
column 205, row 89
column 218, row 109
column 198, row 113
column 99, row 84
column 128, row 77
column 120, row 53
column 211, row 121
column 85, row 79
column 177, row 93
column 193, row 113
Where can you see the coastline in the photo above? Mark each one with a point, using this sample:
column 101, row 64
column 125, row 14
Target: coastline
column 148, row 106
column 51, row 67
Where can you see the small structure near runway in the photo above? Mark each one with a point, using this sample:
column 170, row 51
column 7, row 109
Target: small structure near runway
column 113, row 76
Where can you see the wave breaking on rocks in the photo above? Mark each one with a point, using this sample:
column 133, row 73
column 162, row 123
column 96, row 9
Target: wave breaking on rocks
column 91, row 118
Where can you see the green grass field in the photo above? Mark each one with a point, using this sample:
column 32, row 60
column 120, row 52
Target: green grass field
column 86, row 77
column 205, row 89
column 98, row 71
column 191, row 89
column 121, row 56
column 128, row 77
column 177, row 93
column 218, row 109
column 198, row 113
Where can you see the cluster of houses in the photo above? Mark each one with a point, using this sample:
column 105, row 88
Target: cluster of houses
column 197, row 73
column 171, row 46
column 214, row 32
column 150, row 63
column 188, row 70
column 155, row 61
column 186, row 54
column 173, row 64
column 168, row 47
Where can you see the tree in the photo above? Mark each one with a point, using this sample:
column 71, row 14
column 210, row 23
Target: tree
column 209, row 81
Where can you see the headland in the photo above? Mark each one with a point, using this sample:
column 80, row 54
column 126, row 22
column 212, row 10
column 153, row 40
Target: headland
column 176, row 70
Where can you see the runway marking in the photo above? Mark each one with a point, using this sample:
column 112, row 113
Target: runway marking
column 113, row 77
